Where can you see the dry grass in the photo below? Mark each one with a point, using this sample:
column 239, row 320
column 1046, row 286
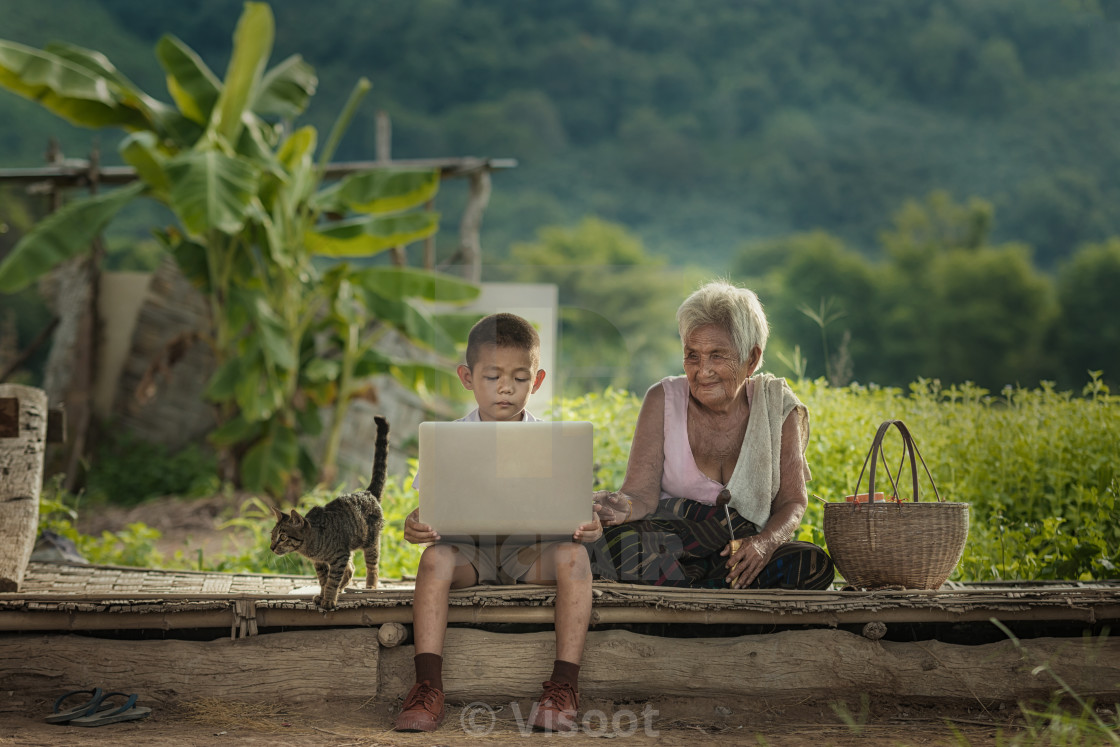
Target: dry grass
column 232, row 715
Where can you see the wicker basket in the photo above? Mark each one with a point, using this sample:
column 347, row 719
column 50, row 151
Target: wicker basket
column 898, row 543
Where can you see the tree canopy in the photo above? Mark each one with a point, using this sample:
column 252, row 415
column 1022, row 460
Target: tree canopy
column 697, row 126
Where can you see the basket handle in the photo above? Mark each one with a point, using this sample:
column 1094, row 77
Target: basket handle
column 909, row 448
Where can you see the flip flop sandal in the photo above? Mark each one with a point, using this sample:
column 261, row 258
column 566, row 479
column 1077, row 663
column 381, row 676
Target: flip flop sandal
column 61, row 717
column 111, row 715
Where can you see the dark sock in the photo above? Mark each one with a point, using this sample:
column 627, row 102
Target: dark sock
column 430, row 667
column 565, row 671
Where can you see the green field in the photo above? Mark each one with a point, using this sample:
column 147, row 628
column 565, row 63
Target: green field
column 1037, row 467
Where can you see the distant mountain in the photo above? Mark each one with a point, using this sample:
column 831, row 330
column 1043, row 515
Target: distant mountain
column 698, row 125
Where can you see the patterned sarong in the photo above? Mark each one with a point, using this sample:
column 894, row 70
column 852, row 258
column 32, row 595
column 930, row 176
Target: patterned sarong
column 680, row 545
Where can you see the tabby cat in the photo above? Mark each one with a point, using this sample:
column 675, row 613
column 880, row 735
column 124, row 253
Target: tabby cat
column 329, row 534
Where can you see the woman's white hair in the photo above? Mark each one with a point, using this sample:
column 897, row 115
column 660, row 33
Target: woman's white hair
column 736, row 310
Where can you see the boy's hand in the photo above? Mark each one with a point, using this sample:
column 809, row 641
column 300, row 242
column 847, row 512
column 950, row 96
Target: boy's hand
column 417, row 533
column 612, row 508
column 591, row 531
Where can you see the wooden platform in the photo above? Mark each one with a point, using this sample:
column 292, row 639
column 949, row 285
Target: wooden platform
column 168, row 634
column 72, row 597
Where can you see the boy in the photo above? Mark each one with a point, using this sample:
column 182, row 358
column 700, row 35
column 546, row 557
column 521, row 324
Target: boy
column 502, row 369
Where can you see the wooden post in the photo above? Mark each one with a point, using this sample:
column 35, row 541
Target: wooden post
column 23, row 438
column 383, row 148
column 470, row 246
column 430, row 244
column 72, row 362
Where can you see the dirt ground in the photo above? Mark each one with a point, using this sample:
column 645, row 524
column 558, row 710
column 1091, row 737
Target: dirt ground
column 669, row 722
column 192, row 525
column 186, row 525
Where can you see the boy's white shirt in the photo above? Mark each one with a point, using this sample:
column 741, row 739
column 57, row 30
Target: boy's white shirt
column 473, row 417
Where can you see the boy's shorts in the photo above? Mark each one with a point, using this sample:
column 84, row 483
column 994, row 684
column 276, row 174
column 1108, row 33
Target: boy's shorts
column 505, row 562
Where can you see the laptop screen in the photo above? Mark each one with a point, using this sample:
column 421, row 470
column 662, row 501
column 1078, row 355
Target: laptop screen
column 501, row 479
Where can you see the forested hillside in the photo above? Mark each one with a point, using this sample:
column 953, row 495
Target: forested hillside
column 718, row 132
column 699, row 125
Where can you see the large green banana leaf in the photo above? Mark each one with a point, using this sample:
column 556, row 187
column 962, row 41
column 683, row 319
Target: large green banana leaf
column 297, row 157
column 268, row 463
column 270, row 330
column 190, row 82
column 362, row 237
column 414, row 322
column 399, row 283
column 211, row 191
column 423, row 378
column 458, row 324
column 252, row 45
column 62, row 235
column 286, row 89
column 380, row 191
column 141, row 151
column 427, row 380
column 71, row 91
column 127, row 92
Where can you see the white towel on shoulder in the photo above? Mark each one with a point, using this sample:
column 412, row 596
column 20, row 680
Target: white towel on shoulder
column 757, row 476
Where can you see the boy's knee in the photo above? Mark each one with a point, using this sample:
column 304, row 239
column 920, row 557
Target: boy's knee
column 438, row 559
column 572, row 561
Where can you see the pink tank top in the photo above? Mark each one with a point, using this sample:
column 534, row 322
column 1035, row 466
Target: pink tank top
column 680, row 477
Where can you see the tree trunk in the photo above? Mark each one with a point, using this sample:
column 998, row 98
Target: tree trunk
column 23, row 438
column 70, row 368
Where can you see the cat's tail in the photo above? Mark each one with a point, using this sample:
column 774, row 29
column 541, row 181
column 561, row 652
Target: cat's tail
column 380, row 456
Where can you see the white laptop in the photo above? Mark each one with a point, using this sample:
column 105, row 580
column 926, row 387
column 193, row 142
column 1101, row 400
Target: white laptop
column 494, row 479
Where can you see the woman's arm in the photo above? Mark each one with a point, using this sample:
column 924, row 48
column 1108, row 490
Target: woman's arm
column 785, row 512
column 641, row 488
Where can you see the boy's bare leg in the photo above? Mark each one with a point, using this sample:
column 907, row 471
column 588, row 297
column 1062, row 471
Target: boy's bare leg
column 567, row 566
column 440, row 570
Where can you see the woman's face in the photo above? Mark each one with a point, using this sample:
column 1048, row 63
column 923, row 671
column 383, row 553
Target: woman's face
column 712, row 366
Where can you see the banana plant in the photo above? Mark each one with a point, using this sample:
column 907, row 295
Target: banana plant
column 294, row 319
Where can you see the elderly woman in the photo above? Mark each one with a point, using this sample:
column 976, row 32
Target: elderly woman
column 713, row 436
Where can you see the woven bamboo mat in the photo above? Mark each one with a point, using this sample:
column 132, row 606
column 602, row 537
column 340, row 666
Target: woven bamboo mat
column 73, row 578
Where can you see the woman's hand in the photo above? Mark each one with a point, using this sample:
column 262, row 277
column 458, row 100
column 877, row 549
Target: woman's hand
column 748, row 561
column 417, row 533
column 613, row 508
column 591, row 531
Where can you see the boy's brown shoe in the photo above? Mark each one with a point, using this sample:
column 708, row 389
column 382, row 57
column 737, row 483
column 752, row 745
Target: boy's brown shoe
column 556, row 710
column 422, row 710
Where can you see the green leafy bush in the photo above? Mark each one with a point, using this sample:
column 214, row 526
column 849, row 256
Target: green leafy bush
column 1035, row 465
column 127, row 470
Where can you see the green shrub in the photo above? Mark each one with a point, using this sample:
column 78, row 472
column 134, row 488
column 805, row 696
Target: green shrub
column 127, row 470
column 1035, row 465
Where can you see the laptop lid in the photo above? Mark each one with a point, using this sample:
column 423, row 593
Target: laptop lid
column 497, row 479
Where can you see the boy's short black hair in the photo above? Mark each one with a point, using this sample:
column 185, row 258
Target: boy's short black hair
column 505, row 331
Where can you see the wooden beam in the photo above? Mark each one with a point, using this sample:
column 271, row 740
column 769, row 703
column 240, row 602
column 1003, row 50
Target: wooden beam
column 349, row 665
column 76, row 173
column 298, row 667
column 70, row 615
column 21, row 478
column 788, row 666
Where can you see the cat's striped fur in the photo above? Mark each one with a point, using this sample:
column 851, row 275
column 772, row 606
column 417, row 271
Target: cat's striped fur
column 328, row 534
